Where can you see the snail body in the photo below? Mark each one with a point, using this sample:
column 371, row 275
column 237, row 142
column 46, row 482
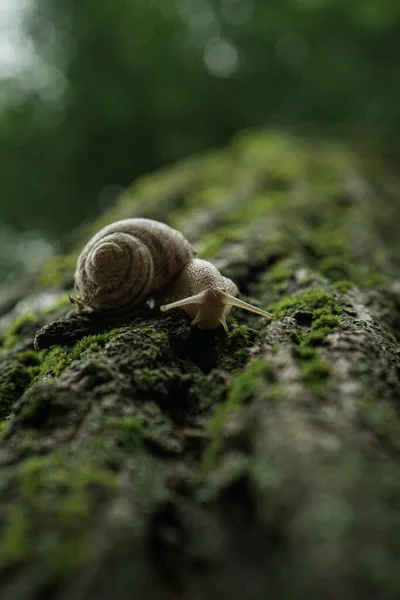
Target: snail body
column 129, row 261
column 205, row 295
column 200, row 290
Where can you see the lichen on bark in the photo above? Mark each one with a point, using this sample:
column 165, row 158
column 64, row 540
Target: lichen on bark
column 142, row 458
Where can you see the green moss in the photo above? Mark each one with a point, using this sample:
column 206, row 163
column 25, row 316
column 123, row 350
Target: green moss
column 30, row 358
column 39, row 404
column 18, row 328
column 343, row 285
column 14, row 378
column 277, row 279
column 382, row 418
column 207, row 391
column 157, row 336
column 251, row 382
column 69, row 555
column 334, row 268
column 159, row 431
column 234, row 349
column 304, row 352
column 330, row 242
column 312, row 299
column 204, row 198
column 335, row 252
column 236, row 223
column 281, row 271
column 313, row 368
column 280, row 155
column 15, row 544
column 238, row 335
column 317, row 336
column 51, row 474
column 3, row 425
column 248, row 382
column 276, row 393
column 92, row 343
column 315, row 371
column 55, row 361
column 69, row 490
column 258, row 206
column 325, row 317
column 391, row 337
column 59, row 358
column 213, row 243
column 159, row 382
column 375, row 281
column 128, row 430
column 327, row 245
column 145, row 347
column 322, row 325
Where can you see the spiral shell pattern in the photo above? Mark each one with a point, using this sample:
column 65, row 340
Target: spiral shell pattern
column 127, row 261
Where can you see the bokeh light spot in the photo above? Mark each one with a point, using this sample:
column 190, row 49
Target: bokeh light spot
column 221, row 58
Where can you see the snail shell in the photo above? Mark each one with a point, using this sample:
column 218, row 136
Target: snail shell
column 127, row 261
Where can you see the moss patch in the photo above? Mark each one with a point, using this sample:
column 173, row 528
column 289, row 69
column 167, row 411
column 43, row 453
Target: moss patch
column 318, row 301
column 382, row 418
column 160, row 383
column 251, row 382
column 24, row 325
column 320, row 312
column 212, row 244
column 128, row 430
column 15, row 544
column 69, row 490
column 315, row 371
column 342, row 286
column 329, row 246
column 14, row 379
column 322, row 324
column 280, row 274
column 375, row 281
column 59, row 358
column 233, row 351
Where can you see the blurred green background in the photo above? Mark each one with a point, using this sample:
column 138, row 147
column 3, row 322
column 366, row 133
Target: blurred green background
column 95, row 93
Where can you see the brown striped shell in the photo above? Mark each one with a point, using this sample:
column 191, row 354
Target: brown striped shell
column 127, row 261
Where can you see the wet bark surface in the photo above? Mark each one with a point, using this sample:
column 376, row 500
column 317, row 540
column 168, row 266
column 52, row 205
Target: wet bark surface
column 143, row 458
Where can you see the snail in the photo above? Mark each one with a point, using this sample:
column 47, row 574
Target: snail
column 130, row 261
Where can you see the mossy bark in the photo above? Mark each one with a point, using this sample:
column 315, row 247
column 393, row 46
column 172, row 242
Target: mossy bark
column 141, row 458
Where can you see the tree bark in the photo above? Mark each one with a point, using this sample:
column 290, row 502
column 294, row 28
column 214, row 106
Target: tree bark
column 143, row 458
